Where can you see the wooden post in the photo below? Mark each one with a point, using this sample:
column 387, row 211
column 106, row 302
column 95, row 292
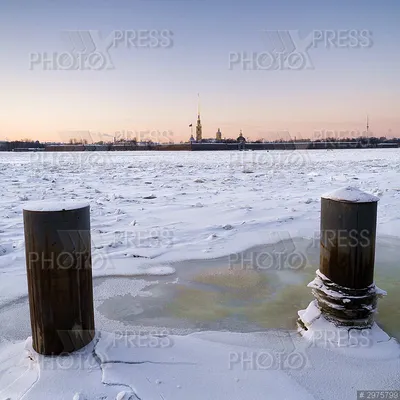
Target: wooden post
column 344, row 287
column 59, row 271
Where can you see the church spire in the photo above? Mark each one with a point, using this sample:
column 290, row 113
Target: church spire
column 199, row 128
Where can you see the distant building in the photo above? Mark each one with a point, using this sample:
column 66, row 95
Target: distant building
column 192, row 139
column 199, row 129
column 218, row 135
column 241, row 138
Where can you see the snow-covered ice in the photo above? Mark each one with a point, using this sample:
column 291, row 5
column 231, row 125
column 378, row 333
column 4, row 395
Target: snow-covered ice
column 151, row 210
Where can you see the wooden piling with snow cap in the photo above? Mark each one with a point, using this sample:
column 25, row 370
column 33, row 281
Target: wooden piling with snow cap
column 344, row 286
column 59, row 272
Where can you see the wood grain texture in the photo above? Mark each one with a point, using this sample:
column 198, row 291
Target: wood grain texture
column 59, row 272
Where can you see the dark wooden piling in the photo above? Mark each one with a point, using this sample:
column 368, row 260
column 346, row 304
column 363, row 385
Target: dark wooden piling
column 59, row 271
column 344, row 287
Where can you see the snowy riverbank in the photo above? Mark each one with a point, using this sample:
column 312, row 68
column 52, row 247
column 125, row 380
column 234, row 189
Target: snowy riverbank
column 149, row 210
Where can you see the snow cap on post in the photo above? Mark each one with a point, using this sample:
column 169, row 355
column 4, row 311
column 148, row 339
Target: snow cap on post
column 350, row 195
column 54, row 206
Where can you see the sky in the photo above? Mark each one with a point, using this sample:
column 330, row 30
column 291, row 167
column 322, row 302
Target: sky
column 285, row 68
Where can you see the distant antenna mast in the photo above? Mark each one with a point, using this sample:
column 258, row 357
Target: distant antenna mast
column 367, row 126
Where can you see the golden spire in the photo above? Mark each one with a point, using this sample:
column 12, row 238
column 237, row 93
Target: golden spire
column 199, row 129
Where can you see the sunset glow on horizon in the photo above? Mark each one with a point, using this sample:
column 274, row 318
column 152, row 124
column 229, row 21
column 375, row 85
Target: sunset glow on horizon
column 156, row 56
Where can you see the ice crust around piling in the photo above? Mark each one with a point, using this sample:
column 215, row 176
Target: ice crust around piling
column 368, row 343
column 51, row 206
column 351, row 195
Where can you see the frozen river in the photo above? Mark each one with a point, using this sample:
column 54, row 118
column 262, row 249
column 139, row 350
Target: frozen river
column 152, row 212
column 193, row 242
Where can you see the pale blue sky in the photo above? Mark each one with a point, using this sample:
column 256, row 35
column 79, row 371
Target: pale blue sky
column 157, row 88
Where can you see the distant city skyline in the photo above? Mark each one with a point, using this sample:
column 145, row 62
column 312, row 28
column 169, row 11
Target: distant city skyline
column 339, row 64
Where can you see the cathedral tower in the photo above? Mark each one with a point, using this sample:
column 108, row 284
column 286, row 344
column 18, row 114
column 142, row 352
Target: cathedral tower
column 199, row 129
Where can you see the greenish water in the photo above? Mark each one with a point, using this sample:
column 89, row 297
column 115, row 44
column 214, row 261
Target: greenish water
column 223, row 294
column 247, row 292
